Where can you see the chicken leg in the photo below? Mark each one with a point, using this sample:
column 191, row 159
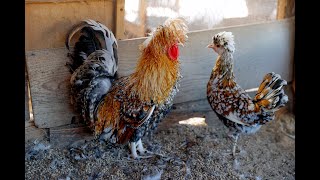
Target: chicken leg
column 134, row 146
column 235, row 145
column 234, row 136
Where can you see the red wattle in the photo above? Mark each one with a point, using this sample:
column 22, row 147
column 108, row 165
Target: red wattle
column 173, row 52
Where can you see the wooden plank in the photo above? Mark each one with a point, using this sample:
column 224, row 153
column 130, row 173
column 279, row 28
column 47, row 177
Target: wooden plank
column 69, row 135
column 33, row 133
column 48, row 23
column 54, row 1
column 120, row 19
column 49, row 86
column 142, row 16
column 260, row 48
column 281, row 9
column 285, row 9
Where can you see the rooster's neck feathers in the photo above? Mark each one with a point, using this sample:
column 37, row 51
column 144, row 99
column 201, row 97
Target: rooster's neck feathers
column 154, row 80
column 156, row 73
column 224, row 66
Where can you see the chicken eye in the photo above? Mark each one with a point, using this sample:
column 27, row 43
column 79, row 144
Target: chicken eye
column 218, row 45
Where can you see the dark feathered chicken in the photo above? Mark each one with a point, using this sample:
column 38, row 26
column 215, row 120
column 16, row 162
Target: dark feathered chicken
column 126, row 109
column 233, row 106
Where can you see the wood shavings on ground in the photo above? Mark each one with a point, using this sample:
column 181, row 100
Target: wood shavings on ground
column 186, row 146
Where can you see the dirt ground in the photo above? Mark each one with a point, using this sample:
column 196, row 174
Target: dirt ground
column 186, row 145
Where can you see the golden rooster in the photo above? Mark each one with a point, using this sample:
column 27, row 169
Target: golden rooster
column 126, row 109
column 233, row 106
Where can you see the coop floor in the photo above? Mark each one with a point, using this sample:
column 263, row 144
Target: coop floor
column 192, row 146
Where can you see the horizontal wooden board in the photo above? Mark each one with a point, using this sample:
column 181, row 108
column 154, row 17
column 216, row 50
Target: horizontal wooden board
column 69, row 136
column 260, row 48
column 48, row 23
column 55, row 1
column 33, row 133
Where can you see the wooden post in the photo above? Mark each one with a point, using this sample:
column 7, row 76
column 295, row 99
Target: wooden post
column 285, row 9
column 142, row 16
column 120, row 19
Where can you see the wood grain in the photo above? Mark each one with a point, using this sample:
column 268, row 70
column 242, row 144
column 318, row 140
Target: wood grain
column 260, row 48
column 48, row 23
column 120, row 19
column 33, row 133
column 285, row 9
column 68, row 136
column 54, row 1
column 49, row 85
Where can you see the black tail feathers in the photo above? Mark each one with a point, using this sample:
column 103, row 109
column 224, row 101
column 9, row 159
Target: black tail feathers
column 92, row 36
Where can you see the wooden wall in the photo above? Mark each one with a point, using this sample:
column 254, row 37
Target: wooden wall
column 47, row 21
column 260, row 48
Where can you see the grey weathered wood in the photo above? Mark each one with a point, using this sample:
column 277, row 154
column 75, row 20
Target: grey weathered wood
column 260, row 48
column 49, row 86
column 33, row 133
column 68, row 136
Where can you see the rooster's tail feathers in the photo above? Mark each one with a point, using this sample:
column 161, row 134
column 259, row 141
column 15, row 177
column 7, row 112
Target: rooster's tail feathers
column 270, row 95
column 93, row 36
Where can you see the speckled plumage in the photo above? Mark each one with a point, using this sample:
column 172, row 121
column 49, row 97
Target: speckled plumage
column 127, row 108
column 233, row 106
column 93, row 63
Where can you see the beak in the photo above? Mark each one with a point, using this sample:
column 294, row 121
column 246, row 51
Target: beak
column 210, row 46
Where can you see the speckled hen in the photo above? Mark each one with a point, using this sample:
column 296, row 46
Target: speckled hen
column 233, row 106
column 123, row 110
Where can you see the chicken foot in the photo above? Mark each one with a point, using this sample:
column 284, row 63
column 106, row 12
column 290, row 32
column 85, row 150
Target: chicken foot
column 137, row 146
column 234, row 137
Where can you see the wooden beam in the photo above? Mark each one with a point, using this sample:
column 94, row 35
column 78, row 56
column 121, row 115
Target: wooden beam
column 68, row 135
column 33, row 133
column 120, row 19
column 142, row 15
column 281, row 9
column 285, row 9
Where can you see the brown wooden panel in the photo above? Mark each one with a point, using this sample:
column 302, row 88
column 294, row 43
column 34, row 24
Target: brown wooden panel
column 48, row 23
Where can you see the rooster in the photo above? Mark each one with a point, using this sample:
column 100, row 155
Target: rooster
column 233, row 106
column 123, row 110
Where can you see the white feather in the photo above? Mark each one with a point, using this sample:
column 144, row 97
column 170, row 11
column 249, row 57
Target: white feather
column 232, row 117
column 100, row 27
column 226, row 37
